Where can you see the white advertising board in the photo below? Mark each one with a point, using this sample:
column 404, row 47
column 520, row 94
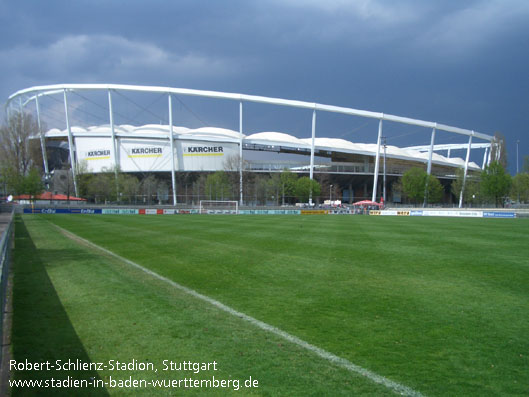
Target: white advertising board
column 204, row 156
column 96, row 154
column 151, row 155
column 136, row 155
column 451, row 213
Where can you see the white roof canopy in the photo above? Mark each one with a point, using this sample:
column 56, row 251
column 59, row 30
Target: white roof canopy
column 33, row 92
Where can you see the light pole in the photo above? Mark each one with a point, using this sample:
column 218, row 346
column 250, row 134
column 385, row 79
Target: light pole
column 517, row 169
column 330, row 195
column 384, row 185
column 517, row 163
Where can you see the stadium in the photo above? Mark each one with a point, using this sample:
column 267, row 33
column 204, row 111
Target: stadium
column 168, row 149
column 426, row 302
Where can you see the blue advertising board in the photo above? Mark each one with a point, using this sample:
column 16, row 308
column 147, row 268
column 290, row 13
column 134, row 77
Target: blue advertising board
column 498, row 214
column 62, row 210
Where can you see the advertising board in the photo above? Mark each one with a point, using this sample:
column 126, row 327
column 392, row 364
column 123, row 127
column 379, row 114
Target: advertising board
column 450, row 213
column 314, row 212
column 119, row 211
column 270, row 212
column 204, row 156
column 140, row 155
column 94, row 153
column 389, row 212
column 498, row 214
column 90, row 211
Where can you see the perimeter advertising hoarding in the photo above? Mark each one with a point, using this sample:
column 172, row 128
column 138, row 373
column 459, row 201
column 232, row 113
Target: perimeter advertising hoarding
column 497, row 214
column 462, row 213
column 314, row 212
column 62, row 211
column 389, row 212
column 120, row 211
column 269, row 212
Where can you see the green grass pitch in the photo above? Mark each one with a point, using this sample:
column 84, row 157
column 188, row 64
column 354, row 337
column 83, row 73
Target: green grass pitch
column 440, row 305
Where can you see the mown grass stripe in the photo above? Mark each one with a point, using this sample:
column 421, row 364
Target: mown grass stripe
column 388, row 383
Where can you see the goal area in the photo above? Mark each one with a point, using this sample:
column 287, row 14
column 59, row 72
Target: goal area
column 219, row 207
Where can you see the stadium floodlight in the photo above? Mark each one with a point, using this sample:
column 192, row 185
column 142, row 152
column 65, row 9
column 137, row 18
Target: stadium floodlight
column 219, row 207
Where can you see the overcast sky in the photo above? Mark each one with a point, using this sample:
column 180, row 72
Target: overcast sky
column 461, row 63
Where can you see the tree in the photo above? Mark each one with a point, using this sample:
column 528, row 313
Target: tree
column 3, row 181
column 84, row 178
column 33, row 184
column 525, row 167
column 129, row 187
column 520, row 187
column 303, row 188
column 30, row 184
column 274, row 185
column 17, row 151
column 102, row 187
column 495, row 182
column 471, row 194
column 435, row 190
column 149, row 186
column 19, row 155
column 199, row 189
column 261, row 189
column 218, row 186
column 12, row 179
column 288, row 185
column 414, row 184
column 232, row 166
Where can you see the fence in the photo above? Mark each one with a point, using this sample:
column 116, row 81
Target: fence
column 6, row 242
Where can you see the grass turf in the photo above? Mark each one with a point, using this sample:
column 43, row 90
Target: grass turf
column 439, row 305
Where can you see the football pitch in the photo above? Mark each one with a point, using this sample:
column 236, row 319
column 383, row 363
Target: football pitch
column 271, row 305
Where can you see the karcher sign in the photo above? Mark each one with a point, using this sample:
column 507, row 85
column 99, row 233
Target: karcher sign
column 94, row 153
column 137, row 155
column 98, row 154
column 204, row 156
column 148, row 155
column 146, row 151
column 204, row 151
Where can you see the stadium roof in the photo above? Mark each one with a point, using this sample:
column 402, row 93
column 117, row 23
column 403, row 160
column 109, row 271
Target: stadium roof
column 33, row 93
column 215, row 134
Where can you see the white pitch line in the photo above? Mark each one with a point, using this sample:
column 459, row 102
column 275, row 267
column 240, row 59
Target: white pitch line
column 342, row 362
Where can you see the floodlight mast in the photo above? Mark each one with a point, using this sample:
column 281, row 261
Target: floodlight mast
column 517, row 162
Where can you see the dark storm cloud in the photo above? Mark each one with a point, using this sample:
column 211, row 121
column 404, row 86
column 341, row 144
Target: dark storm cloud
column 461, row 63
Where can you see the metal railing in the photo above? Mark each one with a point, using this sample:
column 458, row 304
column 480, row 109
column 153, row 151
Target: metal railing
column 6, row 242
